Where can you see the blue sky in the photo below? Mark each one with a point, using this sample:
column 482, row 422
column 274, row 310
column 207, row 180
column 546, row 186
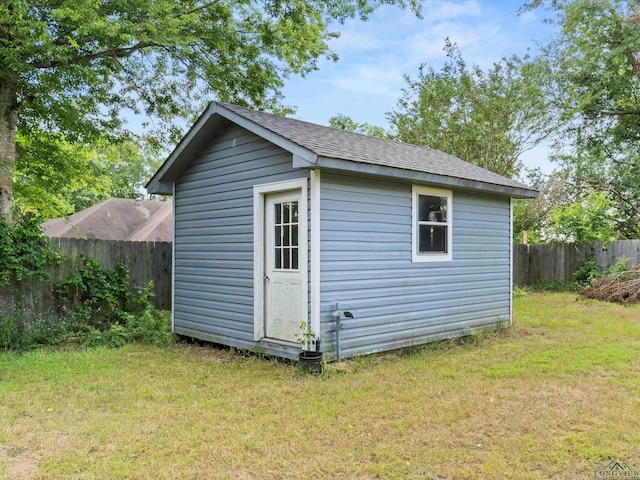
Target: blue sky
column 375, row 55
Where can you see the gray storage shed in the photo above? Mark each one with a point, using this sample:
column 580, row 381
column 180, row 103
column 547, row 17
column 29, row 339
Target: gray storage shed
column 280, row 221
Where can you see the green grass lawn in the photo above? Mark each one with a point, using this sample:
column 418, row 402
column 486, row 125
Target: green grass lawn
column 556, row 396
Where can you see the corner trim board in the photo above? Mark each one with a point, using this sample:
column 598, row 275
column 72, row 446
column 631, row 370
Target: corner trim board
column 315, row 251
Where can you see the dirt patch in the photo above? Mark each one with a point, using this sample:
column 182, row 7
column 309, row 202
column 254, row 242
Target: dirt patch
column 20, row 462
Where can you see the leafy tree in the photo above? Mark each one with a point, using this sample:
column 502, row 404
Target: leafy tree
column 484, row 117
column 529, row 215
column 73, row 176
column 587, row 220
column 344, row 122
column 596, row 63
column 70, row 67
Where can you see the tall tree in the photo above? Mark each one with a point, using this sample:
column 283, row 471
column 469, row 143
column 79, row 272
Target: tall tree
column 75, row 176
column 344, row 122
column 72, row 66
column 596, row 60
column 484, row 117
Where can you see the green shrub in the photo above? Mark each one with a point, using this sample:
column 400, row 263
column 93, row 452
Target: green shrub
column 96, row 306
column 99, row 297
column 24, row 252
column 548, row 286
column 107, row 312
column 23, row 331
column 586, row 273
column 519, row 292
column 9, row 332
column 620, row 266
column 151, row 327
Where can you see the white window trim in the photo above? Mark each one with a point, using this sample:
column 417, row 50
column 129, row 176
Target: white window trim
column 416, row 257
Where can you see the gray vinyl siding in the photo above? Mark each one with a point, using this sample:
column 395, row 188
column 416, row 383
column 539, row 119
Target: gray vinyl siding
column 214, row 272
column 366, row 262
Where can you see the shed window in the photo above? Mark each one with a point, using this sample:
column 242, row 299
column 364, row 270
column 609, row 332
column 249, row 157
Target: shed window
column 431, row 227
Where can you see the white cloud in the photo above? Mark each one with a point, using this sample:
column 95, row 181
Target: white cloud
column 528, row 17
column 451, row 10
column 371, row 79
column 351, row 40
column 478, row 44
column 375, row 55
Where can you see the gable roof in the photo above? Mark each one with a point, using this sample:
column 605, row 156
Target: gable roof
column 317, row 146
column 117, row 219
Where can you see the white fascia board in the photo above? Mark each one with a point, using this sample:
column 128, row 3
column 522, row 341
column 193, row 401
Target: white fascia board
column 158, row 183
column 200, row 134
column 298, row 151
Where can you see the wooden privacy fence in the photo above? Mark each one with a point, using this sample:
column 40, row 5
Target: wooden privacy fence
column 145, row 260
column 551, row 262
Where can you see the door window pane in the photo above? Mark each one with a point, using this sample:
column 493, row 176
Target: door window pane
column 286, row 235
column 278, row 258
column 286, row 210
column 286, row 258
column 278, row 235
column 278, row 211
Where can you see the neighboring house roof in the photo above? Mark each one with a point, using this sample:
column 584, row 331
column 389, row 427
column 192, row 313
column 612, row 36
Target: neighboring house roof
column 316, row 146
column 117, row 219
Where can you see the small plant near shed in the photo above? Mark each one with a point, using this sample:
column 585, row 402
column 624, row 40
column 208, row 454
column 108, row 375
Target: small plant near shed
column 306, row 336
column 310, row 357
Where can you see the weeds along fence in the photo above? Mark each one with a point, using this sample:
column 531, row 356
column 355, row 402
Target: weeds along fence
column 557, row 262
column 146, row 261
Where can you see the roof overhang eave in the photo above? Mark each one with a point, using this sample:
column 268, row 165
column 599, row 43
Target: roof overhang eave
column 422, row 177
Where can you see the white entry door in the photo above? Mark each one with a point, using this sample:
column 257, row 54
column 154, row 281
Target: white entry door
column 285, row 265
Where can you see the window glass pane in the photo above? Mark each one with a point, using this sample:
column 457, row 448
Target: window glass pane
column 286, row 258
column 432, row 209
column 278, row 236
column 294, row 212
column 278, row 258
column 286, row 239
column 294, row 235
column 294, row 258
column 278, row 211
column 286, row 211
column 432, row 238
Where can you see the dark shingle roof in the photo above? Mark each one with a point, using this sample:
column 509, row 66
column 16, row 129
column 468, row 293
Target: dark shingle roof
column 339, row 144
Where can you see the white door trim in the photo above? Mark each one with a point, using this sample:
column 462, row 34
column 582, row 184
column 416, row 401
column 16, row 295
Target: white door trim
column 259, row 193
